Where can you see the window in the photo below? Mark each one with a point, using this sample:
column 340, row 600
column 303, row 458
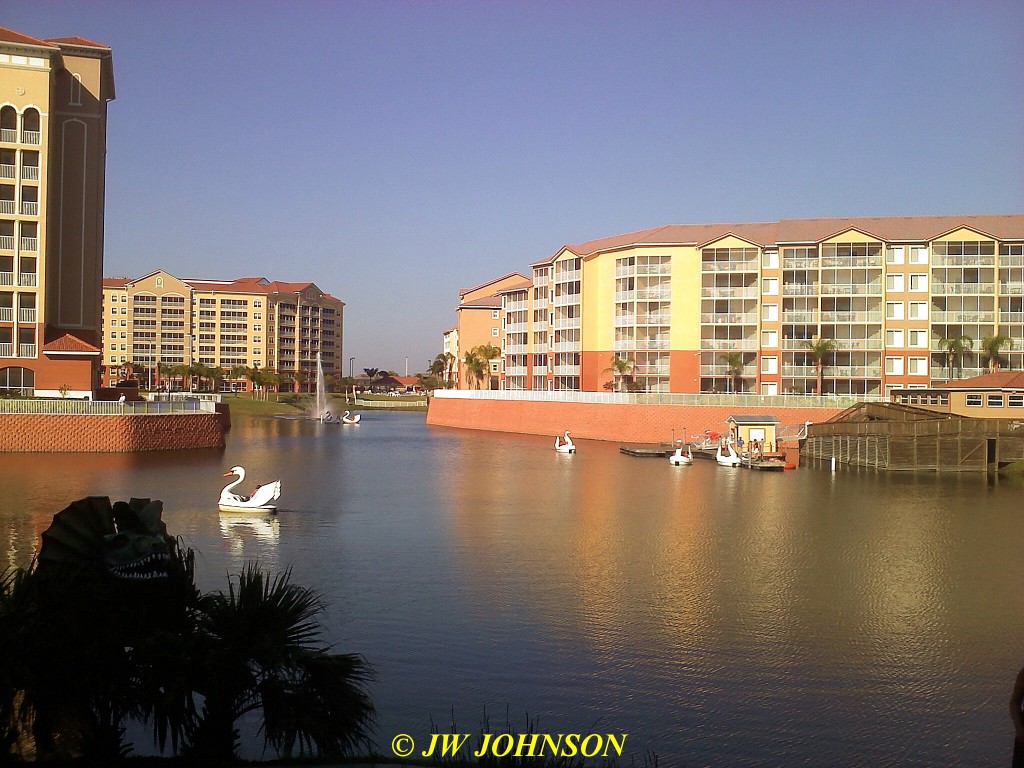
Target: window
column 770, row 260
column 770, row 312
column 770, row 286
column 894, row 310
column 494, row 331
column 894, row 254
column 917, row 366
column 918, row 254
column 919, row 339
column 974, row 401
column 894, row 366
column 894, row 338
column 919, row 283
column 1016, row 401
column 495, row 314
column 257, row 315
column 918, row 310
column 75, row 98
column 769, row 365
column 994, row 401
column 894, row 283
column 769, row 338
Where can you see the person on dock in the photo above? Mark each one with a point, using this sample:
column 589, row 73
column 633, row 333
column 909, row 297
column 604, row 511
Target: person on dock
column 1017, row 715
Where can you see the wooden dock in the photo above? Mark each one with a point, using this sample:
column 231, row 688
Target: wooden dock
column 646, row 451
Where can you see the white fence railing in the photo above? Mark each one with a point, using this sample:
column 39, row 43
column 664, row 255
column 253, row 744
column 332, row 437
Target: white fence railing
column 392, row 403
column 103, row 408
column 737, row 400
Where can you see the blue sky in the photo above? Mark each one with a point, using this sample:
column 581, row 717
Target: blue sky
column 393, row 152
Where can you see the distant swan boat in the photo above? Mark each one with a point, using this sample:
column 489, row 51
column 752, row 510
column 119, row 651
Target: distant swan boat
column 568, row 446
column 679, row 458
column 348, row 419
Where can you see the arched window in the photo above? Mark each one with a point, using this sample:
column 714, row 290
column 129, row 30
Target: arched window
column 17, row 382
column 76, row 90
column 8, row 124
column 30, row 126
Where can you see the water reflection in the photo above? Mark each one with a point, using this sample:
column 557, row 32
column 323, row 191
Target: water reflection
column 720, row 616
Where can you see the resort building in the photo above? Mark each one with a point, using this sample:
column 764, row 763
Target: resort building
column 160, row 320
column 869, row 304
column 479, row 324
column 53, row 127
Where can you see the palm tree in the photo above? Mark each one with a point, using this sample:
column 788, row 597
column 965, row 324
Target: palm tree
column 371, row 373
column 991, row 346
column 258, row 650
column 438, row 365
column 956, row 346
column 734, row 365
column 621, row 368
column 488, row 352
column 820, row 349
column 476, row 366
column 450, row 361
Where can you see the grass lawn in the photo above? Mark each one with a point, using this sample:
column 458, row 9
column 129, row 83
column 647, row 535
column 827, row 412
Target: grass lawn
column 242, row 403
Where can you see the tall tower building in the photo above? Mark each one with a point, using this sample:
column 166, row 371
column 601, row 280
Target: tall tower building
column 53, row 127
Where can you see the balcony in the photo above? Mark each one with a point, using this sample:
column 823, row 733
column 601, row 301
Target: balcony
column 963, row 317
column 851, row 289
column 800, row 317
column 6, row 314
column 729, row 318
column 567, row 276
column 30, row 137
column 515, row 370
column 729, row 266
column 851, row 317
column 658, row 369
column 988, row 260
column 653, row 319
column 516, row 328
column 28, row 279
column 27, row 315
column 6, row 171
column 516, row 349
column 852, row 261
column 651, row 344
column 26, row 350
column 847, row 344
column 746, row 371
column 566, row 299
column 853, row 372
column 659, row 294
column 726, row 291
column 30, row 243
column 795, row 343
column 566, row 370
column 1011, row 288
column 1011, row 317
column 728, row 344
column 517, row 306
column 7, row 207
column 957, row 289
column 30, row 172
column 799, row 289
column 29, row 208
column 8, row 135
column 793, row 263
column 566, row 346
column 559, row 322
column 799, row 371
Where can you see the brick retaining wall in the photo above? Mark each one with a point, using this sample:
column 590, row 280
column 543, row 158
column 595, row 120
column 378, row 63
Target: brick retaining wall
column 602, row 421
column 30, row 433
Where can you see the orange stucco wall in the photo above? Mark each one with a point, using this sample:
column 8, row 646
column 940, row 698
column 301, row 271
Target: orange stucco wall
column 620, row 423
column 28, row 433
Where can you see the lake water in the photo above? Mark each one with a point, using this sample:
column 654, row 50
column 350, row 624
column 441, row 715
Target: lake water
column 720, row 617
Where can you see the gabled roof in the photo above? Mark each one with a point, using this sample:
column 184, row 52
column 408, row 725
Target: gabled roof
column 78, row 41
column 10, row 36
column 522, row 285
column 757, row 418
column 116, row 282
column 487, row 302
column 236, row 285
column 464, row 291
column 65, row 343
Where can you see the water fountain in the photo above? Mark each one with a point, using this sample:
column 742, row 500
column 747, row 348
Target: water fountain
column 320, row 408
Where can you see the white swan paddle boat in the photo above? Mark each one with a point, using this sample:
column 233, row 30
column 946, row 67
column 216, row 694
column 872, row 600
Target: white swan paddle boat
column 727, row 457
column 681, row 458
column 566, row 446
column 348, row 418
column 260, row 499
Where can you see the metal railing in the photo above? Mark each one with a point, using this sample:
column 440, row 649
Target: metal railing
column 71, row 407
column 660, row 398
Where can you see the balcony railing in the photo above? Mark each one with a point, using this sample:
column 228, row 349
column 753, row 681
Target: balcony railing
column 7, row 207
column 6, row 242
column 963, row 261
column 9, row 135
column 1011, row 261
column 858, row 344
column 516, row 328
column 851, row 261
column 30, row 172
column 849, row 289
column 6, row 314
column 27, row 350
column 26, row 315
column 802, row 371
column 515, row 370
column 729, row 266
column 30, row 137
column 516, row 349
column 731, row 318
column 28, row 279
column 963, row 317
column 29, row 208
column 566, row 299
column 799, row 289
column 1011, row 288
column 723, row 344
column 567, row 276
column 1011, row 317
column 624, row 320
column 722, row 369
column 853, row 372
column 517, row 306
column 654, row 293
column 851, row 317
column 963, row 288
column 799, row 317
column 6, row 349
column 794, row 263
column 565, row 346
column 566, row 322
column 30, row 243
column 6, row 171
column 658, row 369
column 795, row 343
column 566, row 370
column 726, row 291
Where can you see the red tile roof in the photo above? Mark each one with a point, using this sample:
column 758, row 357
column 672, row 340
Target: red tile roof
column 68, row 342
column 522, row 285
column 896, row 229
column 464, row 291
column 10, row 36
column 116, row 282
column 80, row 41
column 997, row 380
column 487, row 302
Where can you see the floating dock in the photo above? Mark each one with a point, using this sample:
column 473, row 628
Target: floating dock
column 646, row 451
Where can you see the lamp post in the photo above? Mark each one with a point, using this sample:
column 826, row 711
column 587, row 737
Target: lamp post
column 351, row 367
